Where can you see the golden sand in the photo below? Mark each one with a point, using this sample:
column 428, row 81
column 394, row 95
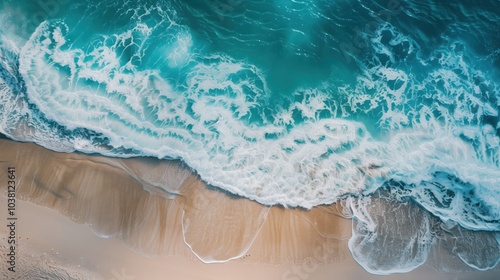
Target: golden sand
column 170, row 219
column 121, row 198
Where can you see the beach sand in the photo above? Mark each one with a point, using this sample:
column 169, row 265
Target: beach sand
column 91, row 217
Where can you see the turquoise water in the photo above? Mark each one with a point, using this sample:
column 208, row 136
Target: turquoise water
column 298, row 103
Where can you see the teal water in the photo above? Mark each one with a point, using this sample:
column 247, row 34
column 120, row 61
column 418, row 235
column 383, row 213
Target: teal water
column 298, row 103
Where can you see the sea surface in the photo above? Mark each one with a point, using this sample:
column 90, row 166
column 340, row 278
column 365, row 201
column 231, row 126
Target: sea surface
column 287, row 102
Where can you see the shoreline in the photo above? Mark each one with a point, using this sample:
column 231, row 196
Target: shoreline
column 116, row 197
column 97, row 197
column 62, row 247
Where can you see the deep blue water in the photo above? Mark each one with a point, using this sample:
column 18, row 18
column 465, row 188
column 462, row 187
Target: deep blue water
column 297, row 103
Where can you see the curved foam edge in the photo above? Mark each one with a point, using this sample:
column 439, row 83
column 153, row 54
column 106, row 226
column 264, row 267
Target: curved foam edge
column 477, row 249
column 389, row 237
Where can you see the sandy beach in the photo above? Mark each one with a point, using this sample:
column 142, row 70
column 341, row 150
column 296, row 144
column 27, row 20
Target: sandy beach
column 91, row 217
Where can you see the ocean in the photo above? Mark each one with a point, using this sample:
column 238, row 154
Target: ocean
column 294, row 103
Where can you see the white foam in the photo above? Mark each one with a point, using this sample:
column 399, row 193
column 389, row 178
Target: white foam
column 215, row 122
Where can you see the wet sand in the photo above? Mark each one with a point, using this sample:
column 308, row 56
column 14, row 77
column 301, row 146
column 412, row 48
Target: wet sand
column 154, row 233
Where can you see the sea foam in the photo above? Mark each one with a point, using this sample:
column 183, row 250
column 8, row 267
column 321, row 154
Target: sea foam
column 216, row 122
